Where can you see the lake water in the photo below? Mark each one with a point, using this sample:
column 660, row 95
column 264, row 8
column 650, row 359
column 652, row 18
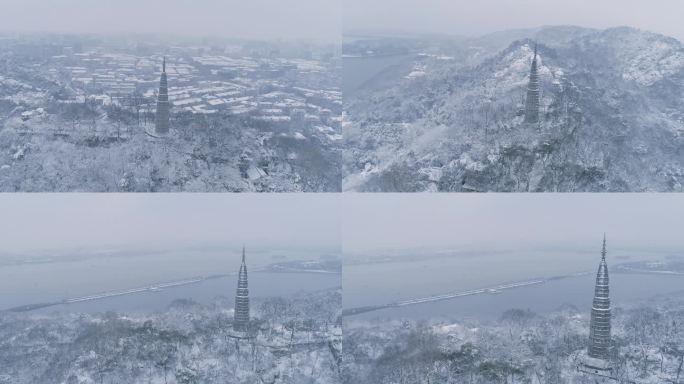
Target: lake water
column 63, row 278
column 357, row 71
column 543, row 298
column 371, row 284
column 261, row 285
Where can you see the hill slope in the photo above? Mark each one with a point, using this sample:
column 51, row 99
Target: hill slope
column 612, row 117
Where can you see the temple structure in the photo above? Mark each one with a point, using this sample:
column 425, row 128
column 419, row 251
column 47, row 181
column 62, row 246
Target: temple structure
column 599, row 326
column 242, row 297
column 161, row 125
column 532, row 101
column 597, row 360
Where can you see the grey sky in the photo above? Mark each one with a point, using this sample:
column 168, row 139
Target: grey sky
column 253, row 19
column 496, row 221
column 63, row 221
column 468, row 17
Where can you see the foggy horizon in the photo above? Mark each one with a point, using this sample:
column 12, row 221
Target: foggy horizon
column 160, row 38
column 469, row 19
column 419, row 33
column 512, row 223
column 257, row 20
column 138, row 221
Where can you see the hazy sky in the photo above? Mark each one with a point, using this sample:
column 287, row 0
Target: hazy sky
column 496, row 221
column 254, row 19
column 55, row 221
column 324, row 19
column 362, row 221
column 476, row 17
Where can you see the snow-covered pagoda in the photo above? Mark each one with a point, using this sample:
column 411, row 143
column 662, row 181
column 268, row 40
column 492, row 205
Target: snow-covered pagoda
column 161, row 125
column 597, row 361
column 532, row 101
column 242, row 297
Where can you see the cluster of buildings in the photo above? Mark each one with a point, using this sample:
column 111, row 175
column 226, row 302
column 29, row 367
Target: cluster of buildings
column 269, row 89
column 110, row 74
column 266, row 92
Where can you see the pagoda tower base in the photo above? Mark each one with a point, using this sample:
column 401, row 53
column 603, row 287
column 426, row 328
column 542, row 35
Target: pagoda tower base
column 150, row 131
column 240, row 334
column 597, row 367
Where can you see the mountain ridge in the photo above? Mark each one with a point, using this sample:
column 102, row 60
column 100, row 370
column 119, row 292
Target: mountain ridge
column 611, row 120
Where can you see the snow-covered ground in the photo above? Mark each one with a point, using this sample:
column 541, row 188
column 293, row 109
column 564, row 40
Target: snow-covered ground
column 290, row 340
column 611, row 116
column 66, row 123
column 228, row 157
column 520, row 347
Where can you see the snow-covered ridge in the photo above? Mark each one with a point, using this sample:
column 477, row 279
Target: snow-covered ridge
column 645, row 57
column 459, row 125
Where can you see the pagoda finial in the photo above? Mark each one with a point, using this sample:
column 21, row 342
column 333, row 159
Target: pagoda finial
column 535, row 50
column 603, row 250
column 164, row 64
column 243, row 253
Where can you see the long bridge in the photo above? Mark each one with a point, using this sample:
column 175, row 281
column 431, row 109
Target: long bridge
column 454, row 295
column 131, row 291
column 115, row 293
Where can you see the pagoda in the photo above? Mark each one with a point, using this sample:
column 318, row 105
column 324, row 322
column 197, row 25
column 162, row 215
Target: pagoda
column 597, row 361
column 532, row 101
column 161, row 124
column 242, row 297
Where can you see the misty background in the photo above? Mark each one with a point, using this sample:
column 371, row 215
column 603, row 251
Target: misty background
column 256, row 19
column 474, row 18
column 58, row 221
column 325, row 19
column 508, row 221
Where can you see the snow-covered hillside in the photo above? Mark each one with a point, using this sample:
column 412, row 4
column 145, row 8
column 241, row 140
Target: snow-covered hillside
column 520, row 347
column 612, row 117
column 204, row 154
column 290, row 340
